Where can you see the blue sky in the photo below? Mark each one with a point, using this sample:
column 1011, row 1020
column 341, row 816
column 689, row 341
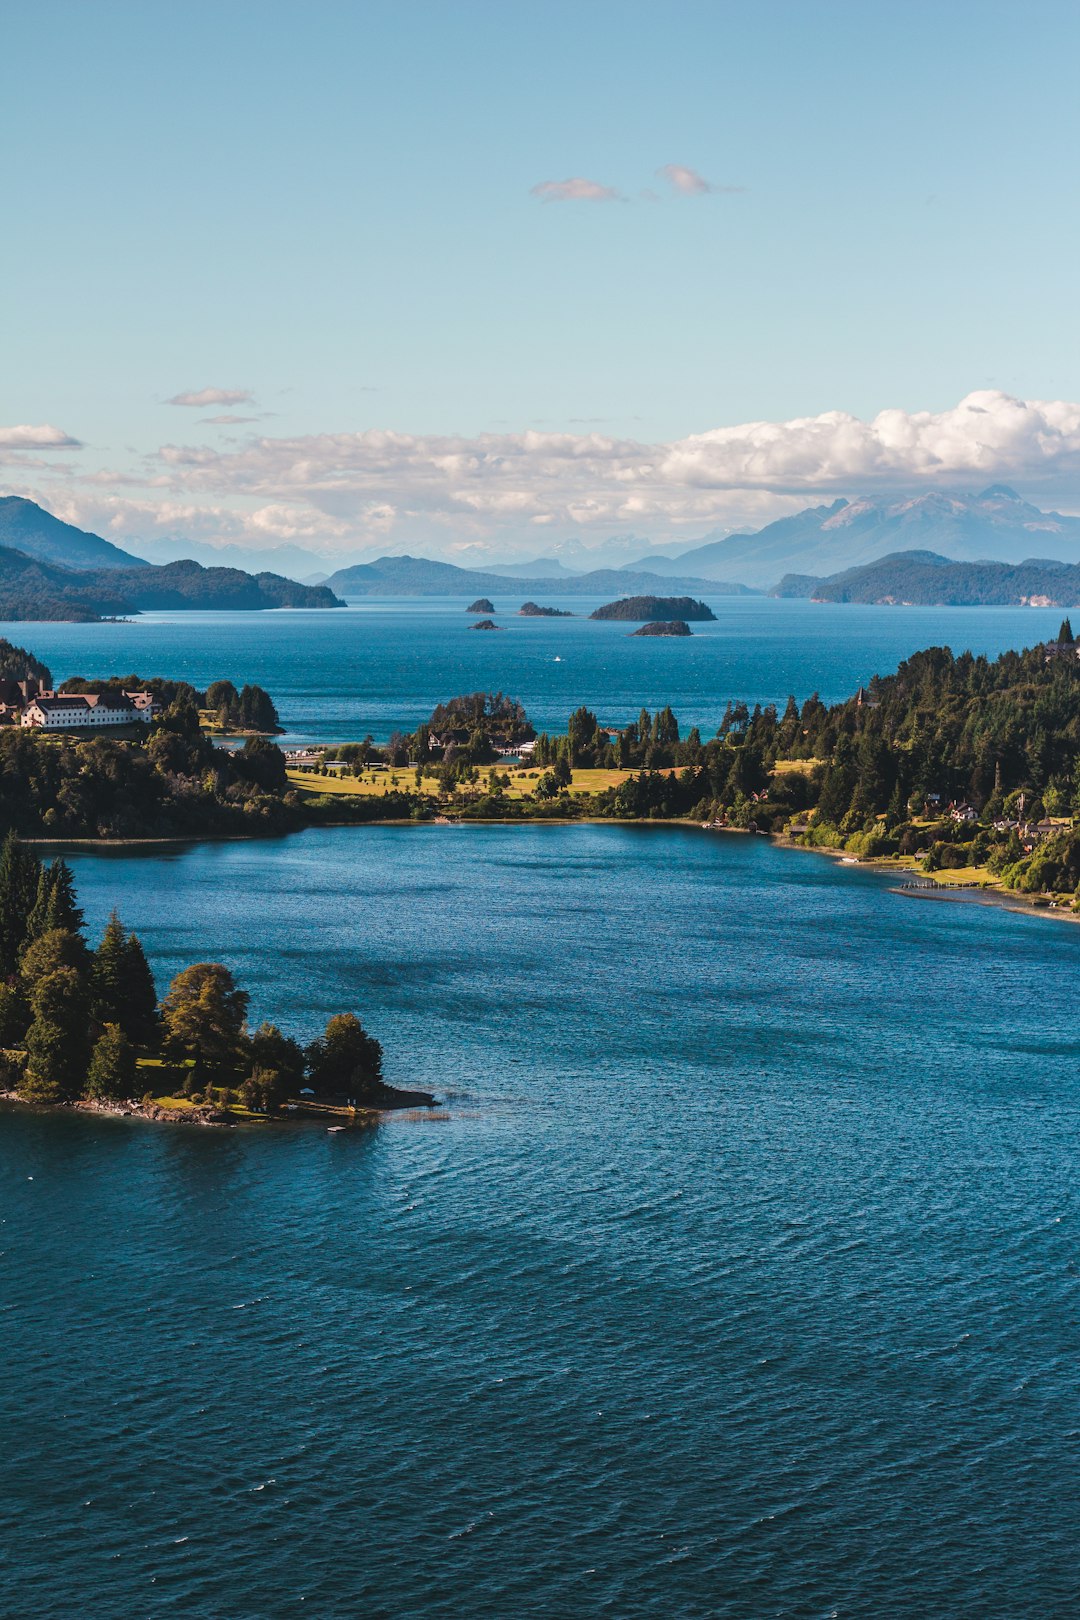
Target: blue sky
column 330, row 208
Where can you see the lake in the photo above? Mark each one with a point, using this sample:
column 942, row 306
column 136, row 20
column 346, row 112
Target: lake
column 379, row 666
column 738, row 1278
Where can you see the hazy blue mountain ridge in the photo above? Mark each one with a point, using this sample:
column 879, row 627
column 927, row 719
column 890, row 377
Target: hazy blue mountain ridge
column 29, row 528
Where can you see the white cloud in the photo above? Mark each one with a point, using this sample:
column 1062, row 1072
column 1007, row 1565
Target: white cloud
column 576, row 189
column 338, row 492
column 202, row 397
column 688, row 183
column 43, row 437
column 228, row 420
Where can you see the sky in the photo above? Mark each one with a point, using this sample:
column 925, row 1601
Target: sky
column 489, row 280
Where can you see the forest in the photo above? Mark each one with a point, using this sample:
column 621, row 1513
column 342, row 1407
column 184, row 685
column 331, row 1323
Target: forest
column 83, row 1023
column 955, row 760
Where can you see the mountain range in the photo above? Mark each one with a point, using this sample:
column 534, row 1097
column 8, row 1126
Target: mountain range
column 420, row 576
column 52, row 570
column 996, row 526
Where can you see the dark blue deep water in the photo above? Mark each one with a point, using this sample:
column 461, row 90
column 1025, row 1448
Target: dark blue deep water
column 738, row 1278
column 380, row 666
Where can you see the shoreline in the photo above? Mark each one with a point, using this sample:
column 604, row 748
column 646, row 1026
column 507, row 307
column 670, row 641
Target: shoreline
column 979, row 895
column 1008, row 899
column 203, row 1114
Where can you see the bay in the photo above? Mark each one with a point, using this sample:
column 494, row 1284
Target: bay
column 738, row 1278
column 380, row 666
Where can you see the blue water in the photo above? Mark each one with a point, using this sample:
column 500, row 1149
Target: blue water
column 382, row 666
column 739, row 1278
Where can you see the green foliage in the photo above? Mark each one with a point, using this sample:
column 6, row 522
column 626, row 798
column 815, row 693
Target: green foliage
column 15, row 1013
column 204, row 1015
column 19, row 876
column 345, row 1061
column 122, row 985
column 112, row 1070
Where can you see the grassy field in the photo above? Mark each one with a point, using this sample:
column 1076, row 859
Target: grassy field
column 375, row 784
column 784, row 767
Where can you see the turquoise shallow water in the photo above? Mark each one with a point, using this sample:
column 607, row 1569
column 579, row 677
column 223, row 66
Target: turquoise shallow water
column 740, row 1278
column 377, row 667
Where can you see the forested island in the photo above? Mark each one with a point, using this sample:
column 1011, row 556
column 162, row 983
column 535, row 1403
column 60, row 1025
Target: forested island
column 82, row 1025
column 655, row 607
column 533, row 610
column 664, row 627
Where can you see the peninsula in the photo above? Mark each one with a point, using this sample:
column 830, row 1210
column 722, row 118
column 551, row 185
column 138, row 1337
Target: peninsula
column 85, row 1027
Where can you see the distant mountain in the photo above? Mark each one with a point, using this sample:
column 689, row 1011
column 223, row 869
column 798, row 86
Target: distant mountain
column 540, row 567
column 27, row 527
column 31, row 589
column 996, row 525
column 420, row 576
column 292, row 562
column 924, row 579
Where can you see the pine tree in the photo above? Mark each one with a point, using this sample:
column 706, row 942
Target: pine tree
column 63, row 909
column 109, row 974
column 36, row 921
column 139, row 1014
column 1065, row 634
column 19, row 869
column 112, row 1070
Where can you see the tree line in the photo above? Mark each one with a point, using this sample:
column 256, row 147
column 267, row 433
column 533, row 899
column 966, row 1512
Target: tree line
column 79, row 1022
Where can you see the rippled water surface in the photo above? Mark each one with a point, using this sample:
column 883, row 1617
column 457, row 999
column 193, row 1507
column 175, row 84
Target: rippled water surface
column 379, row 666
column 739, row 1277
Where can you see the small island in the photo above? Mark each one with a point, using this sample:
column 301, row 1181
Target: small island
column 655, row 607
column 533, row 610
column 485, row 624
column 481, row 605
column 664, row 627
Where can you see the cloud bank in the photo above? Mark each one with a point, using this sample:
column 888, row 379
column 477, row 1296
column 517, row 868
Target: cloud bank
column 510, row 492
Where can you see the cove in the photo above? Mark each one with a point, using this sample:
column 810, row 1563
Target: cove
column 741, row 1277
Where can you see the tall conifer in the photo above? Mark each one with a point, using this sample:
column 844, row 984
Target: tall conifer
column 19, row 869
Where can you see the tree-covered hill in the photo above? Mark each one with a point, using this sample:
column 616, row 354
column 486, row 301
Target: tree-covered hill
column 634, row 608
column 922, row 578
column 34, row 590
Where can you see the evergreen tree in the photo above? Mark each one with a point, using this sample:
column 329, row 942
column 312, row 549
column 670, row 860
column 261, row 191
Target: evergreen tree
column 139, row 1011
column 14, row 1014
column 19, row 872
column 63, row 909
column 108, row 974
column 112, row 1070
column 54, row 972
column 1065, row 634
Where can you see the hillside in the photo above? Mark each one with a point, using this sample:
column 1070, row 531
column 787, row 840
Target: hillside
column 996, row 526
column 924, row 579
column 27, row 527
column 420, row 576
column 30, row 589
